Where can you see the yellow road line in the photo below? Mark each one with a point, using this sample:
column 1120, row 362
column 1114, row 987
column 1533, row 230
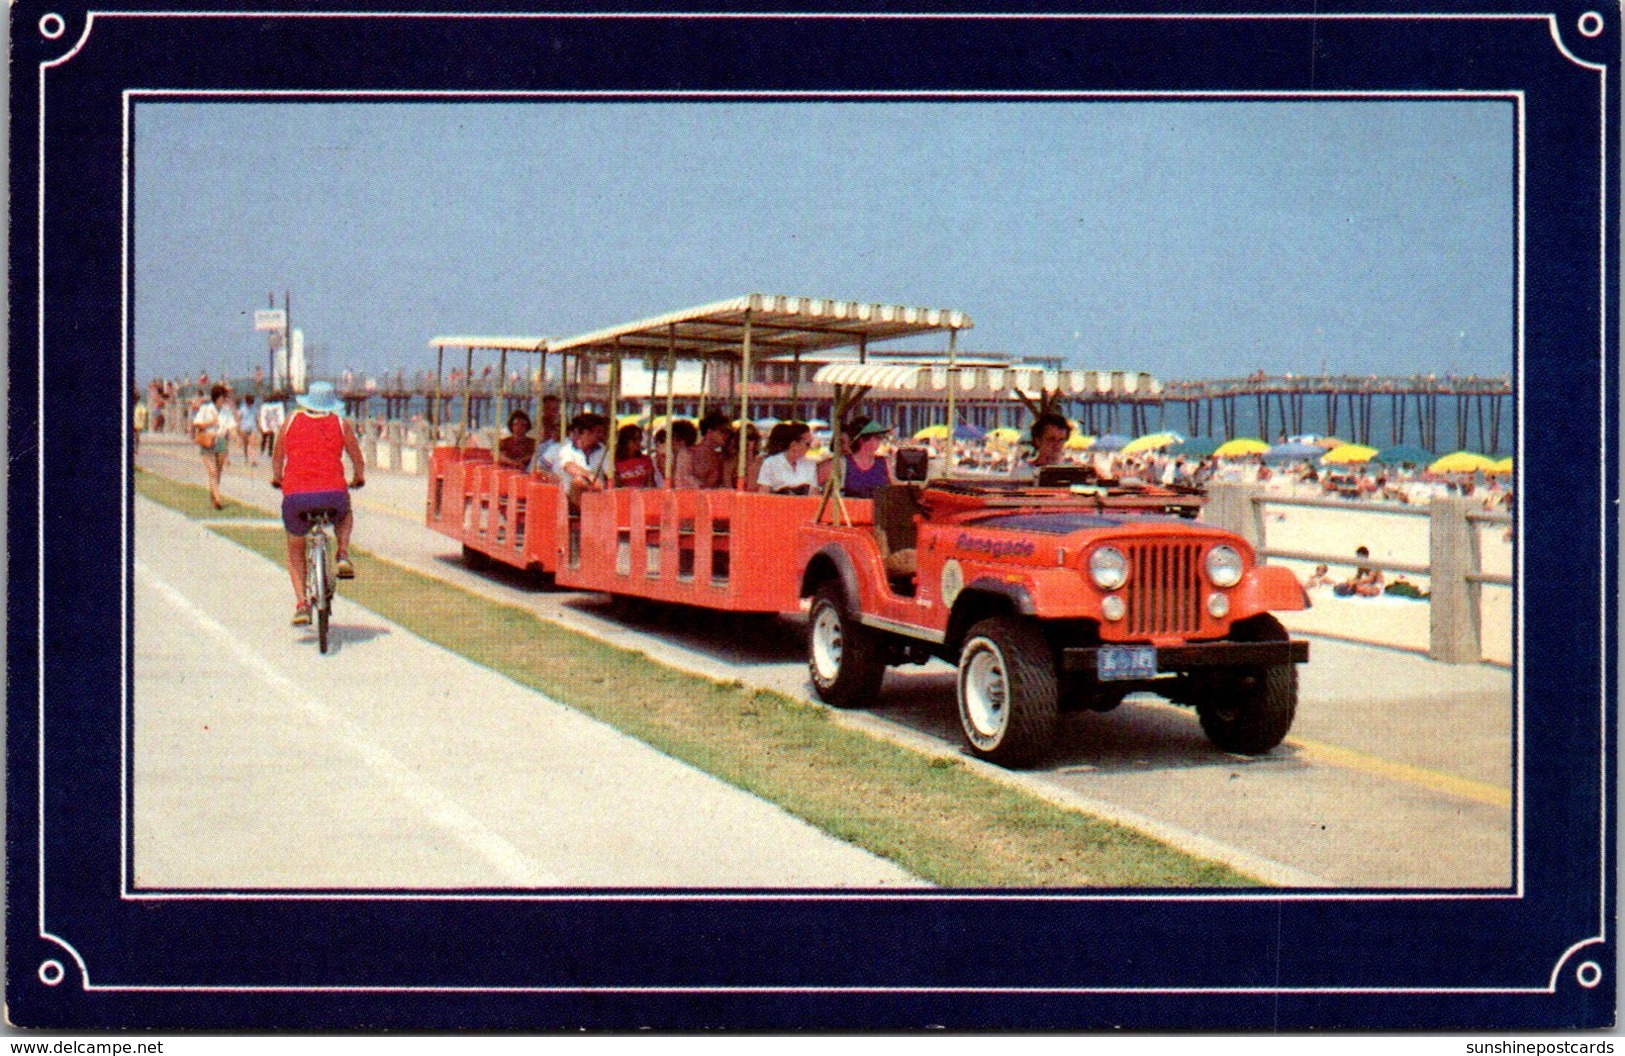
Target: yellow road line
column 1461, row 787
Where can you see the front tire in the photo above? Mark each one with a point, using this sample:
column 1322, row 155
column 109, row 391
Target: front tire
column 1008, row 694
column 844, row 658
column 1251, row 712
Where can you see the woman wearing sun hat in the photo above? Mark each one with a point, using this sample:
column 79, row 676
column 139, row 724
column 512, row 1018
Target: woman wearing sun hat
column 308, row 465
column 866, row 471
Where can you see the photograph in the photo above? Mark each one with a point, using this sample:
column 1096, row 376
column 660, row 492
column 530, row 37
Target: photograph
column 840, row 521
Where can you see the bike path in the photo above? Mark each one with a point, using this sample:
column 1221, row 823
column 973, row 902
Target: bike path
column 392, row 763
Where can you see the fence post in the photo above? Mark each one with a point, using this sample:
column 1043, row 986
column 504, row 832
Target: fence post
column 369, row 443
column 1453, row 609
column 1230, row 506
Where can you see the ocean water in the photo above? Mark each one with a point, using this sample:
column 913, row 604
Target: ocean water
column 1486, row 424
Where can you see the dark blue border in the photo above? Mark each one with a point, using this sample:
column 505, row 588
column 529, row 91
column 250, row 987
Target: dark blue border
column 884, row 963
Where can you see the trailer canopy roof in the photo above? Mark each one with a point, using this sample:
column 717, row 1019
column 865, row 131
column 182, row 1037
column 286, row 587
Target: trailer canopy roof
column 494, row 344
column 989, row 381
column 779, row 326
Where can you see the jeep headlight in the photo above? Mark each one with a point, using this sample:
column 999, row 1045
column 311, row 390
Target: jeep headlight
column 1224, row 566
column 1108, row 567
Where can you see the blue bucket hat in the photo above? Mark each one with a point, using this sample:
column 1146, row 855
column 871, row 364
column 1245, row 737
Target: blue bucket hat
column 321, row 398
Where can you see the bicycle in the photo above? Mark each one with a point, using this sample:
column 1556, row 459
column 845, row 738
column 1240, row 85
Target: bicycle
column 321, row 553
column 320, row 583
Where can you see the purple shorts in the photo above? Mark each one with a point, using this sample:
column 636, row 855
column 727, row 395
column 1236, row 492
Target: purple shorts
column 294, row 506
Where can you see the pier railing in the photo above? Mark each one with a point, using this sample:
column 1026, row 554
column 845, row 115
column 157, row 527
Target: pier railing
column 1454, row 568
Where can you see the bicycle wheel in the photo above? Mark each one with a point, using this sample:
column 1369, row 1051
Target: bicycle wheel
column 319, row 580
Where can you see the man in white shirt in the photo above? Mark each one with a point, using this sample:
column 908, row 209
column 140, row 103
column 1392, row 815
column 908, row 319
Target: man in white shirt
column 581, row 457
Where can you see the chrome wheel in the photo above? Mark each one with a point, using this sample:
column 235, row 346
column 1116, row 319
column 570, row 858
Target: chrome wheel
column 985, row 692
column 826, row 643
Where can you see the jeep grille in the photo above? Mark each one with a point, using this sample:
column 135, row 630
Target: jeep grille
column 1165, row 588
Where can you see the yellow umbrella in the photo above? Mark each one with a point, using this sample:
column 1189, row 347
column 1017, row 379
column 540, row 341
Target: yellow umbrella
column 628, row 419
column 1241, row 448
column 1503, row 466
column 1463, row 462
column 932, row 432
column 660, row 423
column 1349, row 455
column 1005, row 434
column 1150, row 442
column 1078, row 442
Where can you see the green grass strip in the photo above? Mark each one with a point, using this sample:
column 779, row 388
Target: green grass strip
column 934, row 817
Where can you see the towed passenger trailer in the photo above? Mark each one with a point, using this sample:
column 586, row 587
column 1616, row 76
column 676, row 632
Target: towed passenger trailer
column 1047, row 595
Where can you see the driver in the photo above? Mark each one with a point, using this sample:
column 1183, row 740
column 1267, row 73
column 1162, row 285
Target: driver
column 308, row 465
column 1050, row 433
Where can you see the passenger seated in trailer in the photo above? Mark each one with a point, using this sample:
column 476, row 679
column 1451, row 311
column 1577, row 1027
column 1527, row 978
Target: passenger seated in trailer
column 866, row 471
column 633, row 468
column 787, row 470
column 516, row 450
column 547, row 440
column 709, row 470
column 1049, row 434
column 753, row 455
column 683, row 438
column 581, row 457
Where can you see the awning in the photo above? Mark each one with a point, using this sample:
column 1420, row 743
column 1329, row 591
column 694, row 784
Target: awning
column 989, row 382
column 493, row 344
column 779, row 326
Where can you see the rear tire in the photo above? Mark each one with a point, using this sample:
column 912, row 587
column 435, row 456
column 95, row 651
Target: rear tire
column 1008, row 694
column 319, row 588
column 475, row 560
column 845, row 659
column 1251, row 712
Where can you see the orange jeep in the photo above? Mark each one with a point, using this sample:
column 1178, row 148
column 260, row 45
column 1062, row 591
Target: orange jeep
column 1048, row 598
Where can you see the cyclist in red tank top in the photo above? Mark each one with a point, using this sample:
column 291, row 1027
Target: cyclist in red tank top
column 308, row 465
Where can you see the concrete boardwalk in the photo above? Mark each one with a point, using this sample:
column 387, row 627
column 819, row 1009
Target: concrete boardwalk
column 259, row 763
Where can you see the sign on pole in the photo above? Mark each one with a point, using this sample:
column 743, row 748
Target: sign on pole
column 270, row 319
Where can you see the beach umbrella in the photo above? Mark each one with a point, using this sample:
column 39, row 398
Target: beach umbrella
column 1404, row 455
column 1004, row 434
column 628, row 419
column 1241, row 447
column 1349, row 455
column 1078, row 442
column 1503, row 467
column 816, row 423
column 1196, row 447
column 1328, row 443
column 966, row 431
column 1111, row 442
column 1463, row 462
column 765, row 424
column 660, row 423
column 932, row 432
column 1292, row 451
column 1151, row 442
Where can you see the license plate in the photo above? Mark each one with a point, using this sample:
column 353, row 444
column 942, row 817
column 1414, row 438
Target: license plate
column 1119, row 663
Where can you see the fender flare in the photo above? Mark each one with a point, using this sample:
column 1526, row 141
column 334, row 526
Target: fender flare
column 845, row 571
column 1018, row 594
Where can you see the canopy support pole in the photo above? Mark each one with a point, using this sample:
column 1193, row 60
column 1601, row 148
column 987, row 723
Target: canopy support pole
column 744, row 403
column 671, row 396
column 953, row 385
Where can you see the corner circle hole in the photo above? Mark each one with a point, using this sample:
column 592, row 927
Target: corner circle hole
column 51, row 27
column 51, row 973
column 1591, row 24
column 1588, row 975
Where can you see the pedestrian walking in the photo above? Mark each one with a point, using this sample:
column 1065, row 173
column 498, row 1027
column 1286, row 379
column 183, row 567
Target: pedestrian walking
column 248, row 430
column 212, row 426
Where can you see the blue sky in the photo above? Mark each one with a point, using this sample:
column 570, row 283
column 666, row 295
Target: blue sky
column 1192, row 240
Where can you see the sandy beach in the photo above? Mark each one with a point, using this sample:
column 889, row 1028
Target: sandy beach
column 1398, row 534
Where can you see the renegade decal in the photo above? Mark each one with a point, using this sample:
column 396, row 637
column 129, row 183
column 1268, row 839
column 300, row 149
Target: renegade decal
column 994, row 547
